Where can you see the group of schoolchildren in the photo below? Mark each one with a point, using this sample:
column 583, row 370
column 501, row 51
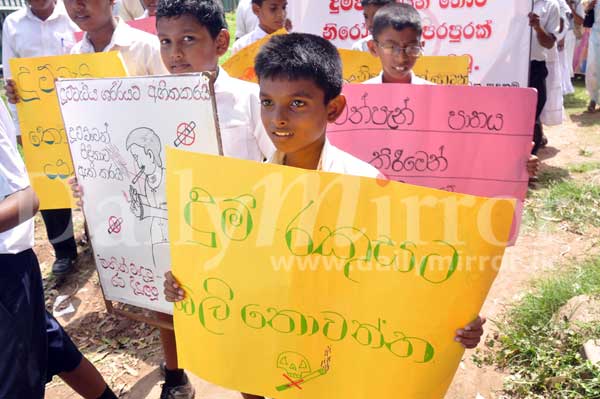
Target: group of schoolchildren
column 283, row 120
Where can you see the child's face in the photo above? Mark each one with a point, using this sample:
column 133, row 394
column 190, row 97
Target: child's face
column 187, row 46
column 295, row 115
column 151, row 6
column 90, row 15
column 397, row 64
column 271, row 15
column 369, row 12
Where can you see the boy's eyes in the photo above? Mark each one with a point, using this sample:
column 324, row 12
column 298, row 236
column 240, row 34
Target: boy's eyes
column 188, row 38
column 298, row 103
column 266, row 103
column 164, row 42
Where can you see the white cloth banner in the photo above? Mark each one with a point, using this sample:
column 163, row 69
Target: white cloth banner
column 118, row 130
column 495, row 34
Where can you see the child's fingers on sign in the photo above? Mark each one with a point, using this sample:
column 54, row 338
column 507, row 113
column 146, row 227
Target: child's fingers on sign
column 173, row 292
column 470, row 336
column 11, row 91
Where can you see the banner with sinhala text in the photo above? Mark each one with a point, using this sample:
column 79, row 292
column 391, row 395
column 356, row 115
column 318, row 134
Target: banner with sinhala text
column 306, row 284
column 45, row 140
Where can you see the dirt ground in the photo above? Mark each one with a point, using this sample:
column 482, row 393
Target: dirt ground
column 127, row 353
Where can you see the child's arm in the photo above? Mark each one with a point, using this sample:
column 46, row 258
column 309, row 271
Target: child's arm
column 173, row 291
column 470, row 335
column 18, row 208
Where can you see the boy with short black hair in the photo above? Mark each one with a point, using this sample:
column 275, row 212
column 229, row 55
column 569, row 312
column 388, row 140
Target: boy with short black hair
column 370, row 7
column 193, row 35
column 397, row 43
column 271, row 15
column 300, row 78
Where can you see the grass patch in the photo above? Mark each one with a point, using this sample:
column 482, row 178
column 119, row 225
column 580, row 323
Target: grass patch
column 543, row 356
column 576, row 205
column 578, row 101
column 583, row 167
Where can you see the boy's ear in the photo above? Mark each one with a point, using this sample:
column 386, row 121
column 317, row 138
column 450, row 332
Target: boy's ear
column 255, row 9
column 372, row 48
column 335, row 108
column 222, row 41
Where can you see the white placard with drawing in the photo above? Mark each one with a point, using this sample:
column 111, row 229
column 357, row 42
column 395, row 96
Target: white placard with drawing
column 118, row 130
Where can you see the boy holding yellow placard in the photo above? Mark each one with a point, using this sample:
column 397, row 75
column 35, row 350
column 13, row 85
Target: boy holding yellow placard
column 193, row 36
column 300, row 77
column 271, row 17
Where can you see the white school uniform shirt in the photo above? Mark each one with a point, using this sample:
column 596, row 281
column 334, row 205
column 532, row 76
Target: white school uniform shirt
column 362, row 44
column 248, row 39
column 13, row 178
column 336, row 161
column 25, row 35
column 140, row 50
column 238, row 107
column 246, row 20
column 549, row 13
column 414, row 80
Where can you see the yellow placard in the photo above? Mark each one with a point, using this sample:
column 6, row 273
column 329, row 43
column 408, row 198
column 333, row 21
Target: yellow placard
column 447, row 70
column 45, row 141
column 241, row 64
column 305, row 284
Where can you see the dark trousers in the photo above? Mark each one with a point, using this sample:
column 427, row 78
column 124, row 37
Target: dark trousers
column 537, row 80
column 59, row 226
column 23, row 338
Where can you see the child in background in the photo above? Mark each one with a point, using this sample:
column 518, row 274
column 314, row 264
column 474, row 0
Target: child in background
column 245, row 19
column 370, row 7
column 34, row 346
column 271, row 15
column 103, row 32
column 397, row 43
column 300, row 78
column 193, row 36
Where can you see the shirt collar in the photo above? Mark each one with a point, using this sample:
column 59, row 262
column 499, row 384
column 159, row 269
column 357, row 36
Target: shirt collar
column 58, row 12
column 413, row 77
column 325, row 161
column 122, row 37
column 222, row 79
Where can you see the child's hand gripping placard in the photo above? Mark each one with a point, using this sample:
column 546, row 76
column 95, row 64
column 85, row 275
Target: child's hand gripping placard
column 306, row 284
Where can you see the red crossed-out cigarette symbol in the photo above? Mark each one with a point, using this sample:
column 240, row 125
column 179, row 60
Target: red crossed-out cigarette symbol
column 114, row 225
column 186, row 135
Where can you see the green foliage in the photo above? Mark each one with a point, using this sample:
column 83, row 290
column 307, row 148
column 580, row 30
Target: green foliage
column 584, row 167
column 542, row 354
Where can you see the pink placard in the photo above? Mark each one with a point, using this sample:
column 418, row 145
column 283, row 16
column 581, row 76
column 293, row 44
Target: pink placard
column 145, row 24
column 470, row 140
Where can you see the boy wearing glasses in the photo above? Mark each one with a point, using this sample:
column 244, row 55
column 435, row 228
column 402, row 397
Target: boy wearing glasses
column 397, row 43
